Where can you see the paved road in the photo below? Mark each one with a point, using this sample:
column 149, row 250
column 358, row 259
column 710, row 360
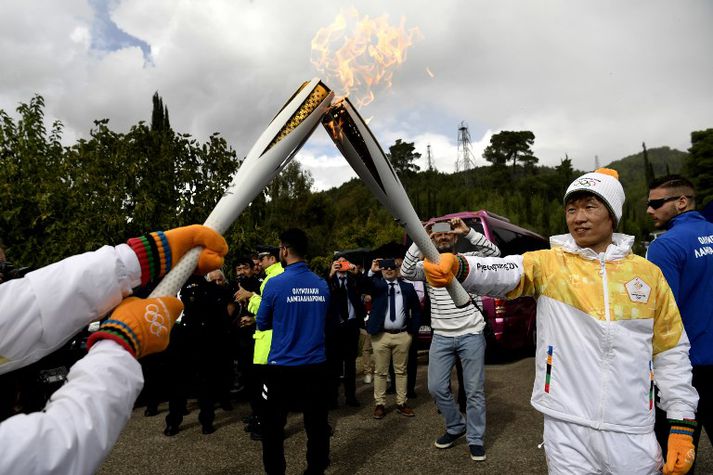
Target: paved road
column 361, row 444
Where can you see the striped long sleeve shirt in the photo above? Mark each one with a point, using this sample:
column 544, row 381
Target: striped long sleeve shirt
column 446, row 318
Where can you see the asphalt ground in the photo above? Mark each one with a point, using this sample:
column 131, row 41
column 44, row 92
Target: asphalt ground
column 361, row 444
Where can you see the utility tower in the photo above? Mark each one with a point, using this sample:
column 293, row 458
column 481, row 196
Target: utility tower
column 465, row 160
column 429, row 157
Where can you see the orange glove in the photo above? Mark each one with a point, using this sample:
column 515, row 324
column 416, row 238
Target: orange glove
column 142, row 326
column 441, row 274
column 681, row 452
column 158, row 252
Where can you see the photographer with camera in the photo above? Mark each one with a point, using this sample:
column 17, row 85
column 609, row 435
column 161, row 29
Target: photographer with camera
column 39, row 312
column 345, row 318
column 457, row 335
column 393, row 323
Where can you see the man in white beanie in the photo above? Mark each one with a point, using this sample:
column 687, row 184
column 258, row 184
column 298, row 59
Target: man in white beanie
column 607, row 328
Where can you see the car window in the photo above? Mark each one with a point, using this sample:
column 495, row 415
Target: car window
column 463, row 245
column 509, row 242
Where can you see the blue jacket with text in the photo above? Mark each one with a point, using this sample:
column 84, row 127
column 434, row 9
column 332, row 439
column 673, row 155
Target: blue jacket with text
column 294, row 305
column 685, row 255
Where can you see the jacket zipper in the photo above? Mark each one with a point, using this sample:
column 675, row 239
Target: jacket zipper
column 607, row 314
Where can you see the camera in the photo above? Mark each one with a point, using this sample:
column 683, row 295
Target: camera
column 387, row 263
column 443, row 227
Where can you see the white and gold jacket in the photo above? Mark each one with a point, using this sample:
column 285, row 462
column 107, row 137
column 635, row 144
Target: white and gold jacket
column 607, row 329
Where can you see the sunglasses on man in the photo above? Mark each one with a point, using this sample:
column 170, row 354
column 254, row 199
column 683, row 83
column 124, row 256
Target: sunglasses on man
column 657, row 203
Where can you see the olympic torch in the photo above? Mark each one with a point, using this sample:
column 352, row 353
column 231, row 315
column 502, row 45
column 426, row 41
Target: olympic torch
column 358, row 145
column 275, row 147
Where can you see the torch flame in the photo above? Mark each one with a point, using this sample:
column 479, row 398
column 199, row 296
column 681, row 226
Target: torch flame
column 361, row 53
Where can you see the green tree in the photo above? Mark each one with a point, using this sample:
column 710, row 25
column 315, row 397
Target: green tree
column 402, row 156
column 58, row 201
column 510, row 146
column 32, row 183
column 159, row 114
column 699, row 165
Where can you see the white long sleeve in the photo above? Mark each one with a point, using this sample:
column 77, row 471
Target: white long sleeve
column 43, row 310
column 82, row 420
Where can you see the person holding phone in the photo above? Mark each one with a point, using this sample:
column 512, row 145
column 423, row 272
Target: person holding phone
column 393, row 323
column 345, row 318
column 457, row 335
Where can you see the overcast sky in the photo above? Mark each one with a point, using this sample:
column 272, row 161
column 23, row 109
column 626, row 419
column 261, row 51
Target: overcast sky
column 589, row 78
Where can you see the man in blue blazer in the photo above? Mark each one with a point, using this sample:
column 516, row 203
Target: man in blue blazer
column 393, row 323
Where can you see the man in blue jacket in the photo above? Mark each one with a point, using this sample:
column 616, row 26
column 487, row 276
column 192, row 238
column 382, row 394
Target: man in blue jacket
column 294, row 306
column 685, row 255
column 393, row 322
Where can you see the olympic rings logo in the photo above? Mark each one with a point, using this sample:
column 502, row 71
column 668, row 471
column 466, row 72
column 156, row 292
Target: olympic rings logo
column 588, row 182
column 154, row 317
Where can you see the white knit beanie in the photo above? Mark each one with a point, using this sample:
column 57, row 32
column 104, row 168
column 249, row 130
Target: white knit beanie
column 604, row 183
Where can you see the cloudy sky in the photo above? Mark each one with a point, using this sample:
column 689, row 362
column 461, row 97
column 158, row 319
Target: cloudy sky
column 588, row 77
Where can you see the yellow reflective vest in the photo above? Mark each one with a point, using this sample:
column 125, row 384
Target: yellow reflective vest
column 263, row 339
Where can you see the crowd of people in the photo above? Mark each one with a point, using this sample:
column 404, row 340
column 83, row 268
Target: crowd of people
column 623, row 359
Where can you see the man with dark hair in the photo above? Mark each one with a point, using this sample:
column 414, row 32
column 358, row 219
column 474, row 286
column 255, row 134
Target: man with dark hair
column 242, row 333
column 685, row 255
column 607, row 324
column 294, row 306
column 393, row 323
column 268, row 257
column 346, row 318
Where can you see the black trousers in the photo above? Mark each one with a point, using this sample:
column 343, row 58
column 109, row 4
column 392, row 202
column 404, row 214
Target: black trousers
column 306, row 387
column 703, row 382
column 342, row 351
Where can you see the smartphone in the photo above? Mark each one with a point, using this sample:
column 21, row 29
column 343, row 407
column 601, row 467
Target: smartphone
column 443, row 227
column 345, row 266
column 387, row 264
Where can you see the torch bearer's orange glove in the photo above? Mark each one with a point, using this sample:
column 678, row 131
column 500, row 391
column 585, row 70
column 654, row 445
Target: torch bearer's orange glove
column 142, row 326
column 441, row 274
column 159, row 251
column 681, row 452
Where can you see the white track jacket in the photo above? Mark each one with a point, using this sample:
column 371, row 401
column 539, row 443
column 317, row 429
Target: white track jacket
column 607, row 329
column 39, row 313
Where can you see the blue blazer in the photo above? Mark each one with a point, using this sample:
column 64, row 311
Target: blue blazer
column 379, row 304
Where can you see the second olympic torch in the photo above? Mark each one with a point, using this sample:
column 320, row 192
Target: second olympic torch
column 275, row 147
column 358, row 145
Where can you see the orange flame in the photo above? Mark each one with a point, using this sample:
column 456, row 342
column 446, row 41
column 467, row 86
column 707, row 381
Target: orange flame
column 361, row 53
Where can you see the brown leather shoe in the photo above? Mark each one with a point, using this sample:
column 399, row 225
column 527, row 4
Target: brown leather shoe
column 379, row 412
column 404, row 410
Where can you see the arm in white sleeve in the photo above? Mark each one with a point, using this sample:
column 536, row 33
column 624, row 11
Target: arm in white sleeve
column 674, row 376
column 41, row 311
column 82, row 420
column 503, row 277
column 412, row 267
column 672, row 366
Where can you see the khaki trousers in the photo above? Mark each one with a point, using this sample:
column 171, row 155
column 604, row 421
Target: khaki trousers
column 388, row 347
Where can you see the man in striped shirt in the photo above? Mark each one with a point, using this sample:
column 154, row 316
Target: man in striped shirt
column 457, row 333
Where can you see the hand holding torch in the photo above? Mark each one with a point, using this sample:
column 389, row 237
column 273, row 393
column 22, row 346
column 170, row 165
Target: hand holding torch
column 275, row 147
column 358, row 145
